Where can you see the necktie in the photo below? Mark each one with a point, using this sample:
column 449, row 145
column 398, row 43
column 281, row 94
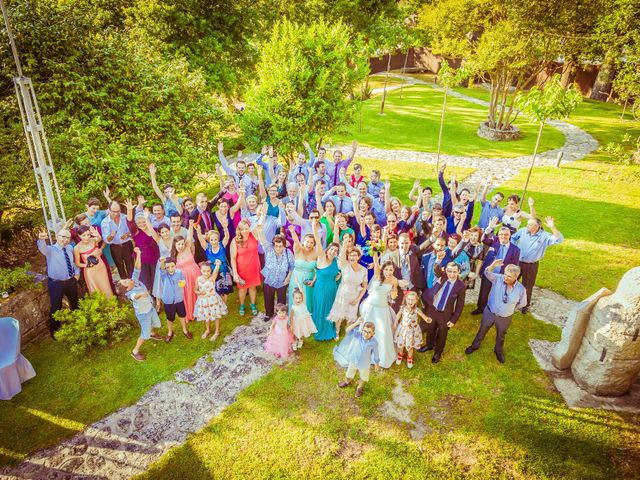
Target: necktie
column 430, row 273
column 68, row 260
column 207, row 220
column 341, row 203
column 444, row 296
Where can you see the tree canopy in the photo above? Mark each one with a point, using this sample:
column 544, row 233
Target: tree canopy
column 304, row 79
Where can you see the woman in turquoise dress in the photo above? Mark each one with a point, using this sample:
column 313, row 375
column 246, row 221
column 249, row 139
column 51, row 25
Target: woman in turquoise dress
column 304, row 268
column 325, row 287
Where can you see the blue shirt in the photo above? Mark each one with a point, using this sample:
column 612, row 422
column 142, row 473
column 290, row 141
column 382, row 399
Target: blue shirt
column 488, row 212
column 265, row 168
column 429, row 264
column 374, row 188
column 242, row 181
column 276, row 267
column 307, row 230
column 333, row 169
column 96, row 219
column 156, row 223
column 141, row 306
column 501, row 301
column 170, row 207
column 171, row 292
column 108, row 226
column 362, row 352
column 219, row 255
column 346, row 202
column 533, row 247
column 56, row 264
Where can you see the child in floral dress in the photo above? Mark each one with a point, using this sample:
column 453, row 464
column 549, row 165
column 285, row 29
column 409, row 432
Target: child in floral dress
column 408, row 334
column 209, row 305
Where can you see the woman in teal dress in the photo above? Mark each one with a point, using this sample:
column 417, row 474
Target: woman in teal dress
column 325, row 288
column 304, row 269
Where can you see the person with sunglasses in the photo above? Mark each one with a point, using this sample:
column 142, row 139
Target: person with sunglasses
column 507, row 294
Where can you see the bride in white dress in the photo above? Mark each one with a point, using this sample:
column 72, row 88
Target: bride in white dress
column 353, row 286
column 376, row 309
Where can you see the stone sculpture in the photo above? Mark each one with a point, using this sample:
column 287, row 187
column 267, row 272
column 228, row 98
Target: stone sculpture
column 601, row 339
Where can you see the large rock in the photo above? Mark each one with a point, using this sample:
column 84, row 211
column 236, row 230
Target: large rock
column 31, row 308
column 574, row 330
column 608, row 360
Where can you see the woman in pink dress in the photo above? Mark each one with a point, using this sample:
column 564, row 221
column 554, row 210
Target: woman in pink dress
column 88, row 256
column 182, row 251
column 245, row 264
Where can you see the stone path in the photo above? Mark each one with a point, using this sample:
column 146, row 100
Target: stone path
column 126, row 442
column 129, row 440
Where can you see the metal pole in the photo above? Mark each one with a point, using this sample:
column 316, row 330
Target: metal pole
column 533, row 161
column 46, row 182
column 14, row 50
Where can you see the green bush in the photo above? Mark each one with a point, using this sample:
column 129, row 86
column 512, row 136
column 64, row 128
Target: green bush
column 98, row 321
column 17, row 279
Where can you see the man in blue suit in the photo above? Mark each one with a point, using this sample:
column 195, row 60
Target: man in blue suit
column 445, row 301
column 500, row 248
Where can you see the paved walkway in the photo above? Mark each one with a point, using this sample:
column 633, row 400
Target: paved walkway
column 129, row 440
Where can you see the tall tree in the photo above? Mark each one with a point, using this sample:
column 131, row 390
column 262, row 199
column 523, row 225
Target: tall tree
column 304, row 80
column 508, row 42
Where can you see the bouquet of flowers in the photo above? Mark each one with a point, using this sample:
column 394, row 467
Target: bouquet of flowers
column 372, row 246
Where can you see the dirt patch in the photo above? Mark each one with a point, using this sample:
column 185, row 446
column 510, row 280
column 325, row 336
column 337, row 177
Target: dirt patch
column 399, row 409
column 464, row 456
column 351, row 450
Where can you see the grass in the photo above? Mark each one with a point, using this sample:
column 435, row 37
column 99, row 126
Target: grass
column 413, row 121
column 377, row 81
column 480, row 420
column 56, row 404
column 69, row 392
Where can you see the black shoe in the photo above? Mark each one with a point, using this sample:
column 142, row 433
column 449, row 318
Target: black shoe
column 477, row 311
column 525, row 310
column 500, row 357
column 426, row 348
column 436, row 357
column 470, row 349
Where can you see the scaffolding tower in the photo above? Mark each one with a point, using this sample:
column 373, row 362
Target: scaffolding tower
column 46, row 181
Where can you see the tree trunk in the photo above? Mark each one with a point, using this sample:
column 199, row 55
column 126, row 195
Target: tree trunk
column 533, row 161
column 404, row 66
column 568, row 73
column 604, row 80
column 384, row 88
column 444, row 106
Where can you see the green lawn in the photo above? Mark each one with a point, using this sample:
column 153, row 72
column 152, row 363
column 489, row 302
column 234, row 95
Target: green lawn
column 479, row 420
column 413, row 121
column 377, row 81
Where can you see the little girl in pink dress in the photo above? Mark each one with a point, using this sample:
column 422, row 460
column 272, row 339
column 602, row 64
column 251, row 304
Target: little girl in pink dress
column 280, row 340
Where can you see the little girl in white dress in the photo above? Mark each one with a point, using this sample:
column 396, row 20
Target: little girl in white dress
column 209, row 306
column 300, row 319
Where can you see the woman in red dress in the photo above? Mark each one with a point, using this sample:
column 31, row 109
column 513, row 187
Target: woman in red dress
column 246, row 265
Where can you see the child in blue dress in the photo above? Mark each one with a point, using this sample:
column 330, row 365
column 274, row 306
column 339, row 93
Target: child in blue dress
column 362, row 351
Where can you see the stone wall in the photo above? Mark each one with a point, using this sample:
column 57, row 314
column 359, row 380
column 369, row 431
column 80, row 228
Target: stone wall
column 31, row 308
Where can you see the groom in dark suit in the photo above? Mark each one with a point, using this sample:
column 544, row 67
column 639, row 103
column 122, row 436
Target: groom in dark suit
column 445, row 301
column 500, row 248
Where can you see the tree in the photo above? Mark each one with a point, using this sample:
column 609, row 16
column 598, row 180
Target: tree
column 549, row 103
column 447, row 78
column 617, row 32
column 304, row 79
column 111, row 102
column 509, row 42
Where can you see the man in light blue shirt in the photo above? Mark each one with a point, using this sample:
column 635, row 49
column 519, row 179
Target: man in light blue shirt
column 116, row 233
column 302, row 166
column 507, row 295
column 273, row 160
column 490, row 209
column 307, row 225
column 338, row 195
column 242, row 179
column 333, row 168
column 533, row 243
column 62, row 273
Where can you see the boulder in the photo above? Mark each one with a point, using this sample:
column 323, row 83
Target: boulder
column 574, row 330
column 608, row 360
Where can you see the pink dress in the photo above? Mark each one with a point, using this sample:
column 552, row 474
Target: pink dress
column 280, row 340
column 191, row 272
column 233, row 198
